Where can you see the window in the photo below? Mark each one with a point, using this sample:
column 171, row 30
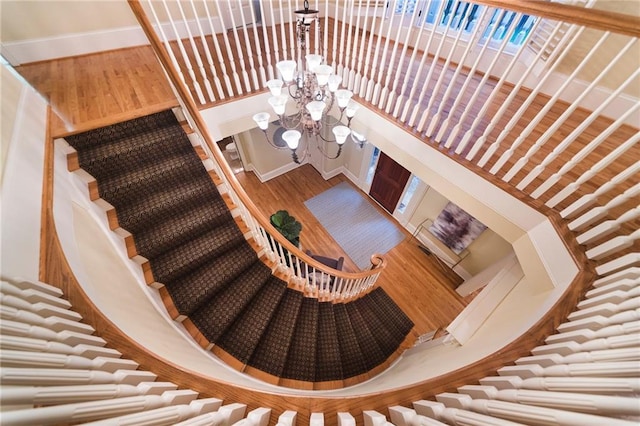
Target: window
column 464, row 16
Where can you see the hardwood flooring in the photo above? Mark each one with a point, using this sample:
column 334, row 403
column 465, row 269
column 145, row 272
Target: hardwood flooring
column 417, row 282
column 94, row 90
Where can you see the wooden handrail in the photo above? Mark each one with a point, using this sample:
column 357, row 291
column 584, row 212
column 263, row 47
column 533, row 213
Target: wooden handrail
column 191, row 107
column 592, row 18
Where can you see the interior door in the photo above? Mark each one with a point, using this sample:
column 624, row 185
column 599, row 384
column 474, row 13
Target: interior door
column 388, row 182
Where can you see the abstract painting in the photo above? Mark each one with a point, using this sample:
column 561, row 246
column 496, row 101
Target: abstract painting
column 456, row 228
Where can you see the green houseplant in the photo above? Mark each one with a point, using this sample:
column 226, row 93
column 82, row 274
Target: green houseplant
column 287, row 225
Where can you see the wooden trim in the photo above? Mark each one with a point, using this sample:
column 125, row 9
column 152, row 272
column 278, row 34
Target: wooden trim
column 60, row 274
column 592, row 18
column 192, row 108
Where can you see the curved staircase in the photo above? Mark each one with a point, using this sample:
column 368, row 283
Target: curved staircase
column 198, row 256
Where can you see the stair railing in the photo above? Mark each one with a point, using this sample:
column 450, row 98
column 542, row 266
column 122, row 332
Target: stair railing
column 288, row 261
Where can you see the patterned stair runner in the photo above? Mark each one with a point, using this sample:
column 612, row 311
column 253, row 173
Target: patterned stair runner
column 148, row 170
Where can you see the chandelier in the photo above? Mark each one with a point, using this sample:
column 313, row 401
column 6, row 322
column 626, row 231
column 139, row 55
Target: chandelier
column 315, row 89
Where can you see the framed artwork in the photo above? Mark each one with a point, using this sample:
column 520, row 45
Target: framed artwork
column 456, row 228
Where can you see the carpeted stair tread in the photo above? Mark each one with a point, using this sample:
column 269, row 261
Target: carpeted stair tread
column 387, row 337
column 328, row 360
column 214, row 317
column 135, row 182
column 301, row 359
column 368, row 344
column 189, row 292
column 241, row 339
column 159, row 205
column 192, row 254
column 184, row 225
column 353, row 362
column 391, row 311
column 125, row 129
column 111, row 158
column 270, row 355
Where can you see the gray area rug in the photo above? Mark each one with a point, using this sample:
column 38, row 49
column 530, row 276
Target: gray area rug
column 354, row 223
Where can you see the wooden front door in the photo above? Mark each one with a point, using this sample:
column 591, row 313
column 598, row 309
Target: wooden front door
column 388, row 182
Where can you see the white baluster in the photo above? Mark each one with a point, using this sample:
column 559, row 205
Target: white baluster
column 356, row 66
column 252, row 66
column 597, row 385
column 439, row 411
column 614, row 245
column 566, row 348
column 562, row 119
column 593, row 404
column 594, row 369
column 474, row 39
column 169, row 415
column 93, row 410
column 525, row 413
column 205, row 47
column 288, row 418
column 622, row 284
column 603, row 355
column 165, row 41
column 434, row 64
column 392, row 61
column 403, row 416
column 196, row 51
column 346, row 419
column 498, row 55
column 405, row 81
column 343, row 29
column 72, row 338
column 588, row 199
column 230, row 55
column 27, row 359
column 629, row 259
column 68, row 377
column 576, row 159
column 366, row 77
column 543, row 112
column 616, row 296
column 39, row 308
column 347, row 71
column 425, row 55
column 52, row 395
column 256, row 38
column 316, row 419
column 41, row 345
column 183, row 52
column 603, row 310
column 226, row 415
column 382, row 69
column 607, row 227
column 525, row 105
column 504, row 105
column 239, row 50
column 33, row 295
column 38, row 286
column 374, row 418
column 597, row 213
column 52, row 322
column 626, row 323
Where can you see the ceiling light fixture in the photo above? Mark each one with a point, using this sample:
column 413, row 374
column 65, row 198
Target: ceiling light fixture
column 315, row 89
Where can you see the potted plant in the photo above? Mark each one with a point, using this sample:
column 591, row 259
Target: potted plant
column 287, row 225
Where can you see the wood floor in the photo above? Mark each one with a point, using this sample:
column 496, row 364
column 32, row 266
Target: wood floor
column 94, row 90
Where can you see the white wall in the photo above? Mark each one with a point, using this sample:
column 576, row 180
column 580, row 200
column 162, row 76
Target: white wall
column 24, row 120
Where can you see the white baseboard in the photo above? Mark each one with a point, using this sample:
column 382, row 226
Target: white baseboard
column 264, row 177
column 43, row 49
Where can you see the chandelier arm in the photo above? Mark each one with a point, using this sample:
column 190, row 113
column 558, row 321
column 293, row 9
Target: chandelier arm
column 290, row 122
column 296, row 95
column 266, row 136
column 327, row 155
